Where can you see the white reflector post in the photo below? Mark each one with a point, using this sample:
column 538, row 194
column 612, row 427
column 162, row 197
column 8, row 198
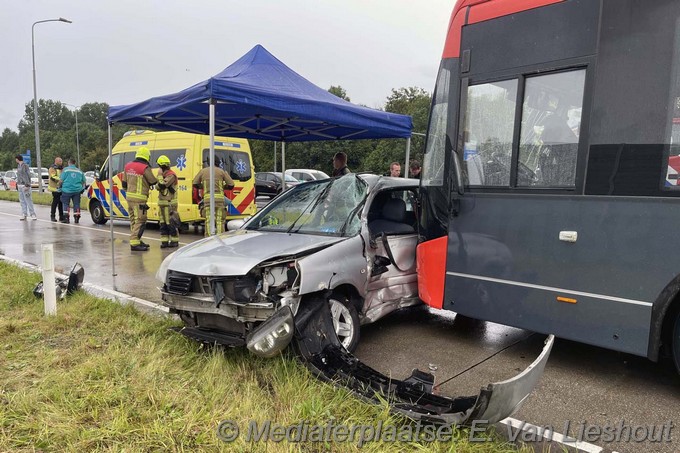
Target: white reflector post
column 49, row 285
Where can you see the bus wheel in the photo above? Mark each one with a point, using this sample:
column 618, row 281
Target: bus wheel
column 97, row 212
column 676, row 342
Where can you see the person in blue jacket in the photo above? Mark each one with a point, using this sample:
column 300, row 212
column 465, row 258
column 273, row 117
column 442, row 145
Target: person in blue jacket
column 72, row 185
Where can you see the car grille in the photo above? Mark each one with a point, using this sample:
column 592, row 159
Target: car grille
column 178, row 283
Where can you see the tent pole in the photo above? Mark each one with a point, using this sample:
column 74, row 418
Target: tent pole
column 274, row 156
column 110, row 171
column 212, row 168
column 283, row 166
column 408, row 156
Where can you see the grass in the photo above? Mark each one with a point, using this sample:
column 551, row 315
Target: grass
column 38, row 198
column 99, row 376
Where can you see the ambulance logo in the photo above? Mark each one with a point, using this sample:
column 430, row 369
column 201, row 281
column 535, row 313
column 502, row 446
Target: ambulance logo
column 241, row 167
column 181, row 162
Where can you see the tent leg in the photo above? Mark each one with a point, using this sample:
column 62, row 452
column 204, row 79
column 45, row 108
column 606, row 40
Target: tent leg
column 212, row 168
column 274, row 156
column 110, row 172
column 283, row 166
column 408, row 156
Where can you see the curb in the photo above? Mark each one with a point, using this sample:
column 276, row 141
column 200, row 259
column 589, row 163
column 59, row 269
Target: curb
column 98, row 291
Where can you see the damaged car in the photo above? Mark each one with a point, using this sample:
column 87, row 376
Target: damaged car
column 349, row 241
column 310, row 269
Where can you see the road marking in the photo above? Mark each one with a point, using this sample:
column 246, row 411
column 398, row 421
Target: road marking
column 552, row 288
column 107, row 231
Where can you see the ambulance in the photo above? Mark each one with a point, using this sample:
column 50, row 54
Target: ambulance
column 188, row 153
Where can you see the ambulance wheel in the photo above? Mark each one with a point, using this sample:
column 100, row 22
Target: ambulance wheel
column 97, row 212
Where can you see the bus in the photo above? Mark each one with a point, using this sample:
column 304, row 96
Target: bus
column 549, row 192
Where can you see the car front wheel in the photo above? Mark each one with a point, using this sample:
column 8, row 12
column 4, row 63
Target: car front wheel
column 345, row 321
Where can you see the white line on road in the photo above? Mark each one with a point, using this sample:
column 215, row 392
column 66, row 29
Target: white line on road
column 100, row 230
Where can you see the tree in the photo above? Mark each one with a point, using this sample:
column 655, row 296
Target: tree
column 52, row 116
column 9, row 147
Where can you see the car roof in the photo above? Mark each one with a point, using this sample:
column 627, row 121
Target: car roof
column 382, row 182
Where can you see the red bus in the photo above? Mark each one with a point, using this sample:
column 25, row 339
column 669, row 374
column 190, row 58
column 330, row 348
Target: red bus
column 549, row 188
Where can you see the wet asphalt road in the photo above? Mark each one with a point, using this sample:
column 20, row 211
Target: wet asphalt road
column 581, row 384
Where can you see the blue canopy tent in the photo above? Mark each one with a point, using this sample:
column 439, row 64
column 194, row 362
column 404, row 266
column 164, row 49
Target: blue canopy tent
column 259, row 97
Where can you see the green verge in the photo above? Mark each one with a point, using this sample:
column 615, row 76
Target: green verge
column 38, row 198
column 100, row 376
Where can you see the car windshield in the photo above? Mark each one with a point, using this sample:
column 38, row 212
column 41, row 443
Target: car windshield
column 329, row 207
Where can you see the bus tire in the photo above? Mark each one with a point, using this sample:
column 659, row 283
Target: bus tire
column 97, row 212
column 675, row 343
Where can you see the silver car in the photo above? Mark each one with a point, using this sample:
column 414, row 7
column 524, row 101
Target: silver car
column 350, row 241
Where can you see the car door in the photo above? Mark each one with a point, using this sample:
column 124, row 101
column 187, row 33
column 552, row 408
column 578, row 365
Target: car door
column 391, row 250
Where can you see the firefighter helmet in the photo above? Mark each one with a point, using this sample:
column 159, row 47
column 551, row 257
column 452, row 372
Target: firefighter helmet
column 163, row 161
column 143, row 153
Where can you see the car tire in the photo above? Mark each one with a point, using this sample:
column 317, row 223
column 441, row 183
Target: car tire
column 675, row 343
column 97, row 212
column 345, row 321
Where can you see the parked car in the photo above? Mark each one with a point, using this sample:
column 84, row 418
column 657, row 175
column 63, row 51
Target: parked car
column 269, row 183
column 35, row 183
column 305, row 175
column 3, row 185
column 10, row 179
column 349, row 240
column 45, row 174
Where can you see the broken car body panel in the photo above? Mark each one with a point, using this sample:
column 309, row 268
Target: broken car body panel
column 322, row 354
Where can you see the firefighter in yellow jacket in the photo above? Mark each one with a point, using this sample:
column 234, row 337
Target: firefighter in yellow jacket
column 222, row 181
column 137, row 178
column 167, row 203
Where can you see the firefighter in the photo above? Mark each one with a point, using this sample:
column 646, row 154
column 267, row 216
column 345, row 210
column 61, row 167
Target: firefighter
column 53, row 186
column 167, row 202
column 137, row 178
column 222, row 181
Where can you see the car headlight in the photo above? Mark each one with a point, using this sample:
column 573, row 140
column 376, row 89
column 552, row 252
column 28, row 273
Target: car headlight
column 273, row 335
column 162, row 272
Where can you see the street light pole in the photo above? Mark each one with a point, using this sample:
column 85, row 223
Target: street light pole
column 35, row 99
column 76, row 107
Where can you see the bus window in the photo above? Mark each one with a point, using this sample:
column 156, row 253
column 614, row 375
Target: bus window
column 551, row 122
column 489, row 125
column 433, row 162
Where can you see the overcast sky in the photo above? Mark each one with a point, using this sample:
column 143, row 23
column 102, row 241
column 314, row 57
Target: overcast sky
column 123, row 51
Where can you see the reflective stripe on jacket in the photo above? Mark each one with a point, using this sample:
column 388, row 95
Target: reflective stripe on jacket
column 53, row 183
column 167, row 195
column 222, row 181
column 137, row 179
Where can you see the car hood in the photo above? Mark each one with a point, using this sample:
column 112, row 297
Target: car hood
column 237, row 252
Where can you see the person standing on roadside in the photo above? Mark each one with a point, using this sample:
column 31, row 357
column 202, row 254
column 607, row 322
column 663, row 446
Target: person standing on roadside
column 53, row 185
column 395, row 170
column 415, row 169
column 340, row 165
column 72, row 184
column 167, row 203
column 137, row 179
column 222, row 181
column 24, row 188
